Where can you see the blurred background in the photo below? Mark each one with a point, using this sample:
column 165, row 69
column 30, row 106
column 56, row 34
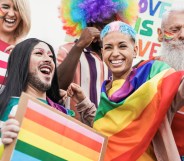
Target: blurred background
column 45, row 22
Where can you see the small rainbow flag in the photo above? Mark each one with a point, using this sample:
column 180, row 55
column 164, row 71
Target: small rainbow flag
column 1, row 13
column 168, row 35
column 132, row 114
column 48, row 135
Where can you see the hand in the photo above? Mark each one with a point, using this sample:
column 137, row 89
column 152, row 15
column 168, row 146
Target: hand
column 75, row 92
column 9, row 49
column 63, row 95
column 9, row 130
column 88, row 35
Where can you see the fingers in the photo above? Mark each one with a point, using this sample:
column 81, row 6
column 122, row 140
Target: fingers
column 70, row 92
column 9, row 131
column 9, row 48
column 62, row 92
column 76, row 87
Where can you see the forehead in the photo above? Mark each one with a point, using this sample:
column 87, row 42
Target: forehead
column 116, row 37
column 6, row 1
column 42, row 45
column 175, row 18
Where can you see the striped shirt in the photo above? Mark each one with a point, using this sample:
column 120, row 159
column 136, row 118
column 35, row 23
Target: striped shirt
column 3, row 63
column 90, row 73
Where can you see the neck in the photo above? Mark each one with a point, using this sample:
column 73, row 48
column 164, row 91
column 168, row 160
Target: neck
column 35, row 92
column 122, row 76
column 8, row 38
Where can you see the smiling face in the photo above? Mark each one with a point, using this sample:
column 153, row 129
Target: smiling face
column 11, row 19
column 41, row 67
column 118, row 52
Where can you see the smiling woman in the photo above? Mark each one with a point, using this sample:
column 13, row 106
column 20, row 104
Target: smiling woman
column 14, row 25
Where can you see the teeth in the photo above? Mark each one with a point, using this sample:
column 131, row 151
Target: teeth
column 45, row 70
column 116, row 61
column 9, row 20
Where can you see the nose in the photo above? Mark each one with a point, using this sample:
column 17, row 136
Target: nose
column 11, row 12
column 115, row 52
column 47, row 58
column 181, row 34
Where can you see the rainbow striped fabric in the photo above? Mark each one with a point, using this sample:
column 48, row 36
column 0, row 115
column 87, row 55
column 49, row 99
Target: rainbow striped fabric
column 131, row 116
column 49, row 136
column 1, row 14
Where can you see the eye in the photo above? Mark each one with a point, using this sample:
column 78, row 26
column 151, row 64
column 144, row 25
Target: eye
column 107, row 47
column 38, row 53
column 51, row 56
column 175, row 30
column 4, row 6
column 122, row 46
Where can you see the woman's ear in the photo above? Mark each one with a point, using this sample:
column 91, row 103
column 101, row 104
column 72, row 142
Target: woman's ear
column 160, row 35
column 102, row 52
column 135, row 51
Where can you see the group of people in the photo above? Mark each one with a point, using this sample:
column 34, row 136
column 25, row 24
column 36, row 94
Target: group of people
column 138, row 107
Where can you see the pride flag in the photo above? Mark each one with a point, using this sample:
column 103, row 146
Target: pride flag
column 168, row 36
column 131, row 116
column 48, row 135
column 1, row 13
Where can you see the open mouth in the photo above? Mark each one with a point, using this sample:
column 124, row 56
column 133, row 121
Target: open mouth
column 45, row 69
column 116, row 62
column 10, row 21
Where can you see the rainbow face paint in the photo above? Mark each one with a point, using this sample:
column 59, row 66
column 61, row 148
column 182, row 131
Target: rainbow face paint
column 168, row 36
column 1, row 13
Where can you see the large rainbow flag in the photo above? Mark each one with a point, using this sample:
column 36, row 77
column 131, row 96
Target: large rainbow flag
column 48, row 135
column 131, row 115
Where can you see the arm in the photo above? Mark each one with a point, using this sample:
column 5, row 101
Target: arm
column 85, row 107
column 66, row 69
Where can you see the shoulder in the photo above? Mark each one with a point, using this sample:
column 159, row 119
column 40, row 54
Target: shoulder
column 11, row 108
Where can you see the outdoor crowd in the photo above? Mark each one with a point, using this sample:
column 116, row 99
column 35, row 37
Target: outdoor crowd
column 139, row 107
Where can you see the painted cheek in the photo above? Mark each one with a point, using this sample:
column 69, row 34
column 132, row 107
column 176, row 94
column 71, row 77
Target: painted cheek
column 168, row 36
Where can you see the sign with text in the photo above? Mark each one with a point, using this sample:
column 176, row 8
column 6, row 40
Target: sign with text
column 149, row 20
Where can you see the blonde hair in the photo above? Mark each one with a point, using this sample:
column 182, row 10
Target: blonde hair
column 25, row 24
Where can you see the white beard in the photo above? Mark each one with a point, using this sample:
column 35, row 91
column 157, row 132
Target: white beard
column 173, row 54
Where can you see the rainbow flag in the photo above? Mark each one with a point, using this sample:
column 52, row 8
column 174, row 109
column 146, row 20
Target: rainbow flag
column 48, row 135
column 168, row 36
column 131, row 116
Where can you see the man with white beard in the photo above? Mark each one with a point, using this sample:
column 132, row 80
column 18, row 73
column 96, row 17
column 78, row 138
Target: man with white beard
column 171, row 34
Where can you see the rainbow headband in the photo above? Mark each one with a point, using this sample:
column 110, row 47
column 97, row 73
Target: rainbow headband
column 76, row 14
column 118, row 26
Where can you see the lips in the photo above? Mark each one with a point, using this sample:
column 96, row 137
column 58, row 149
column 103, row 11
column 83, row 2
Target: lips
column 46, row 69
column 116, row 61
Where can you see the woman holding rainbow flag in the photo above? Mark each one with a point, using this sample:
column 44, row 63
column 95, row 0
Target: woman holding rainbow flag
column 137, row 106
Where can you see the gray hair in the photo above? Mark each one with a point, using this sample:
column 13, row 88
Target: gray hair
column 177, row 6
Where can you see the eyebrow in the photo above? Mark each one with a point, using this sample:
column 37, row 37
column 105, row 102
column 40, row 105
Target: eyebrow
column 41, row 49
column 121, row 42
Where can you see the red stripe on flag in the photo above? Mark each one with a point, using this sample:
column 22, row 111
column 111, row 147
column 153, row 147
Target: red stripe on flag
column 136, row 137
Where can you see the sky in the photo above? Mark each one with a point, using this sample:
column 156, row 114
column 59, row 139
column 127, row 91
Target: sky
column 45, row 22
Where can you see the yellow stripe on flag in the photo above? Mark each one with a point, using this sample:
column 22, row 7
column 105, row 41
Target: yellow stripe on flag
column 132, row 108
